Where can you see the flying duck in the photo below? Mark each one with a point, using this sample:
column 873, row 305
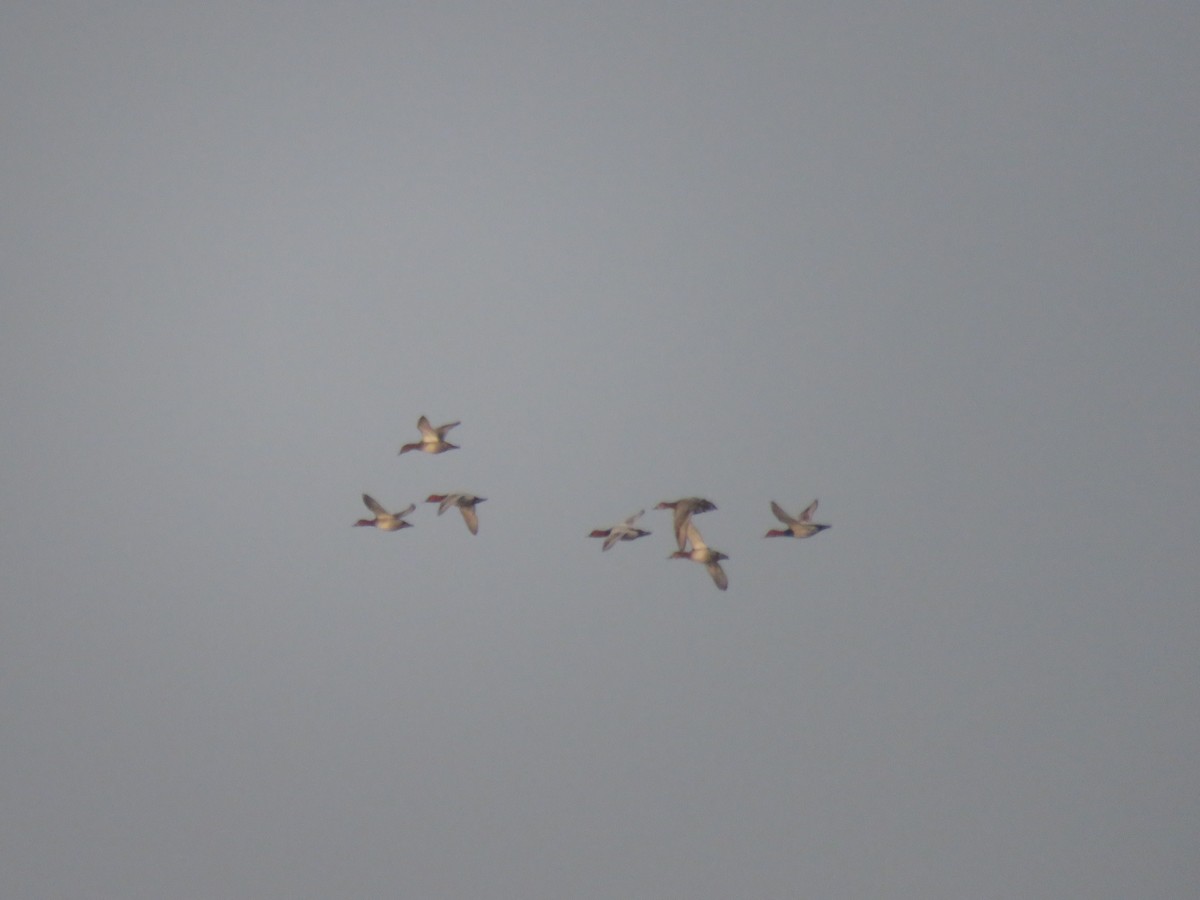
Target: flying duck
column 622, row 532
column 464, row 502
column 702, row 553
column 384, row 520
column 433, row 440
column 684, row 510
column 801, row 526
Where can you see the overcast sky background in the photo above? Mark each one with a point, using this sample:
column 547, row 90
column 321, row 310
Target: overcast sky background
column 936, row 265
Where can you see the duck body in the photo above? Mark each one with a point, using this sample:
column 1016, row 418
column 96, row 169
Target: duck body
column 433, row 440
column 464, row 502
column 384, row 520
column 800, row 526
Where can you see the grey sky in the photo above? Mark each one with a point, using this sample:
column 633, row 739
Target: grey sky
column 936, row 266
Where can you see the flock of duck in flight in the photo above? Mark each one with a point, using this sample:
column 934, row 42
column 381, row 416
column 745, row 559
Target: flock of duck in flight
column 687, row 535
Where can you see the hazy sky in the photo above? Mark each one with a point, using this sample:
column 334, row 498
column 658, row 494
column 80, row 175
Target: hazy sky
column 937, row 265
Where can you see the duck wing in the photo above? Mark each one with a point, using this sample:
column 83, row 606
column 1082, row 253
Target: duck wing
column 683, row 521
column 692, row 534
column 781, row 515
column 720, row 579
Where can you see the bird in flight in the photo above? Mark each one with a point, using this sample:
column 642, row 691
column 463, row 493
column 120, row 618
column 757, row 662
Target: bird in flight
column 433, row 440
column 464, row 502
column 700, row 552
column 801, row 526
column 684, row 510
column 625, row 531
column 384, row 520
